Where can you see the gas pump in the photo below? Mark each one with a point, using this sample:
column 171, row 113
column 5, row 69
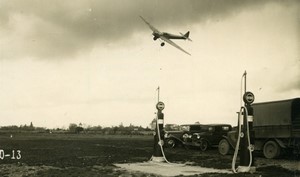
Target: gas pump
column 245, row 141
column 158, row 149
column 158, row 152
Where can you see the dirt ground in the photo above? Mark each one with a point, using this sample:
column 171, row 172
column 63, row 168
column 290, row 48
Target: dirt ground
column 95, row 155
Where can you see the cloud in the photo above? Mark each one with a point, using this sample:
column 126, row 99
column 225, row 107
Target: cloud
column 292, row 79
column 46, row 29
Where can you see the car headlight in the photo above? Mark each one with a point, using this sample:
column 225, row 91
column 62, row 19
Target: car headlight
column 185, row 136
column 166, row 135
column 198, row 136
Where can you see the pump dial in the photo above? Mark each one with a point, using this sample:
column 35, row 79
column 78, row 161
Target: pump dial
column 248, row 97
column 160, row 105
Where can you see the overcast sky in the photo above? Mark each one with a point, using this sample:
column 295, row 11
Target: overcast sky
column 95, row 62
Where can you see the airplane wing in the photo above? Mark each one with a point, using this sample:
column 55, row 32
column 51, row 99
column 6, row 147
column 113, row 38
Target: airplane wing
column 150, row 26
column 173, row 44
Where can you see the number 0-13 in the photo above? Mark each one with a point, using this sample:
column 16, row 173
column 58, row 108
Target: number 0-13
column 15, row 154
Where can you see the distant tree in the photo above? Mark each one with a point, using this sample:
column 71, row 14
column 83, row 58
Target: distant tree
column 72, row 127
column 97, row 128
column 31, row 127
column 147, row 128
column 115, row 129
column 40, row 129
column 11, row 127
column 78, row 129
column 107, row 130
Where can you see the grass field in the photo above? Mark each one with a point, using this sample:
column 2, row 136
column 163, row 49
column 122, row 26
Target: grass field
column 95, row 155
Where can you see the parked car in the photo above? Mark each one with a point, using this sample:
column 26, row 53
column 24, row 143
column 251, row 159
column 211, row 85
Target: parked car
column 211, row 137
column 183, row 135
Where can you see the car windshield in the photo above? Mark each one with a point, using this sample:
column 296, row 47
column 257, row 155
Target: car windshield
column 184, row 128
column 172, row 127
column 226, row 128
column 193, row 128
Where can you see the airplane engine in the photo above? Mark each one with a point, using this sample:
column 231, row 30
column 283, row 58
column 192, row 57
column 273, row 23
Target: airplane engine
column 154, row 38
column 162, row 44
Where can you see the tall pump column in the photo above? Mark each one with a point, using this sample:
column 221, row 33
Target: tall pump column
column 247, row 140
column 159, row 134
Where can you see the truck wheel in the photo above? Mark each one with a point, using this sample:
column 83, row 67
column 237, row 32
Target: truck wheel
column 171, row 143
column 203, row 145
column 224, row 147
column 271, row 150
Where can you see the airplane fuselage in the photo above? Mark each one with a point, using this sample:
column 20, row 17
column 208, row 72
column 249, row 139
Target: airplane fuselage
column 172, row 36
column 166, row 35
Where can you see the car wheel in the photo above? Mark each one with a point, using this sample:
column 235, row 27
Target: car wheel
column 171, row 143
column 224, row 147
column 271, row 150
column 203, row 145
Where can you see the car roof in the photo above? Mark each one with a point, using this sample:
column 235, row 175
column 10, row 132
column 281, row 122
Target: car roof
column 190, row 124
column 206, row 124
column 218, row 125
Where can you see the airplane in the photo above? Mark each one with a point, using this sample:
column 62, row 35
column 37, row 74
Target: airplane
column 167, row 36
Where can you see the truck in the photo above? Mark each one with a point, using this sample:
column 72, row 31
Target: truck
column 276, row 127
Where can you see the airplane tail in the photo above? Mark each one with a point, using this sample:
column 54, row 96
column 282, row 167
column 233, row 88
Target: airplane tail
column 186, row 35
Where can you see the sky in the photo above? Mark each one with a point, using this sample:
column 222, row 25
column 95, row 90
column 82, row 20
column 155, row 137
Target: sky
column 95, row 62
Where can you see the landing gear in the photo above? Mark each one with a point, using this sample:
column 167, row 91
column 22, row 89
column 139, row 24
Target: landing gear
column 162, row 44
column 154, row 38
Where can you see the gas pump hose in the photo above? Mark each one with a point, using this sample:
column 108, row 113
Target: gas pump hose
column 235, row 170
column 161, row 146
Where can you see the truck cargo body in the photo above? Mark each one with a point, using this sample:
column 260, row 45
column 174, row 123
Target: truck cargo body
column 279, row 119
